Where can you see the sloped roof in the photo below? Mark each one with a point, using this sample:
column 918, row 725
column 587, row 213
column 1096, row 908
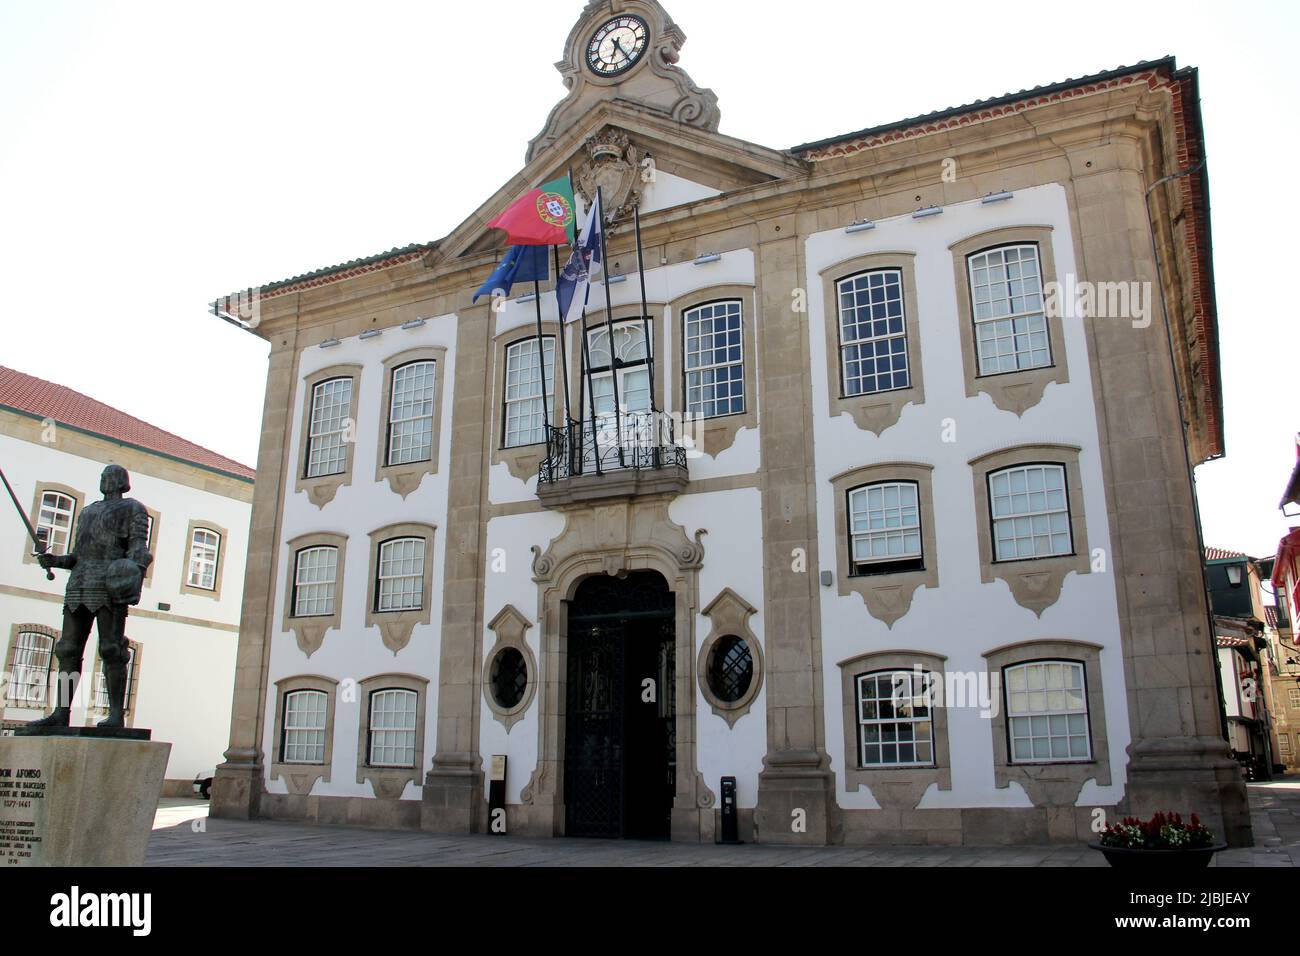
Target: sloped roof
column 1223, row 554
column 34, row 396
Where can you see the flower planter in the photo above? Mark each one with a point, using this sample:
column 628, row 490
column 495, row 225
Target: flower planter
column 1135, row 858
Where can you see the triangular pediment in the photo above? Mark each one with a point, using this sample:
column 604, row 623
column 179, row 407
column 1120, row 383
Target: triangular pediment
column 610, row 147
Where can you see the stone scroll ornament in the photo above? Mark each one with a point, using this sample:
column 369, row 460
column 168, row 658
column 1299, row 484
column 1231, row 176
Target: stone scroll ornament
column 107, row 561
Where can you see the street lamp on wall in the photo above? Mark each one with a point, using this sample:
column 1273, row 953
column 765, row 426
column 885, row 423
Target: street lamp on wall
column 1234, row 575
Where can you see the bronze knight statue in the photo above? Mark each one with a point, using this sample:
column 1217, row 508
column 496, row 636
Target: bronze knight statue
column 109, row 555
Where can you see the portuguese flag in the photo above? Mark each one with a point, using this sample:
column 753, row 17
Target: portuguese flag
column 540, row 217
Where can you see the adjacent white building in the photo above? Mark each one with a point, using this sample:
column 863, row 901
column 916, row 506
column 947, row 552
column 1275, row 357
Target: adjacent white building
column 54, row 442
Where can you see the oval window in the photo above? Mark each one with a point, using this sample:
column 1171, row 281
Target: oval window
column 731, row 669
column 509, row 678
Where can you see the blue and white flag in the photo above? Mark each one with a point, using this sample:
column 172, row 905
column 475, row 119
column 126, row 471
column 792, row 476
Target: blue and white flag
column 574, row 283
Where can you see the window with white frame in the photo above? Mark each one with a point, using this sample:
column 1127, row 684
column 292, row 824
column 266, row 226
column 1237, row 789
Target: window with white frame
column 715, row 367
column 1293, row 698
column 1031, row 512
column 331, row 410
column 400, row 575
column 629, row 366
column 884, row 527
column 524, row 414
column 55, row 515
column 314, row 576
column 132, row 672
column 894, row 721
column 392, row 728
column 205, row 552
column 30, row 678
column 1047, row 712
column 1010, row 323
column 873, row 332
column 410, row 413
column 304, row 727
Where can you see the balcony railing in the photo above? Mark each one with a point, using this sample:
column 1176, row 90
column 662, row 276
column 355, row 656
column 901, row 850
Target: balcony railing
column 635, row 442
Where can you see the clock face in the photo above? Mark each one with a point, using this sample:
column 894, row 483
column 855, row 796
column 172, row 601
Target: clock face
column 617, row 45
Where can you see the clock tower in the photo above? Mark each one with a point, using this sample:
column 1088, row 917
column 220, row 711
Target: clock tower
column 626, row 50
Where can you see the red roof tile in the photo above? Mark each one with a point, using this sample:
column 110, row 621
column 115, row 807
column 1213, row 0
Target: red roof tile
column 36, row 396
column 1221, row 554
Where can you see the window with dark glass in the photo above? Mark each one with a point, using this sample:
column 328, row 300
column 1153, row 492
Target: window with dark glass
column 731, row 669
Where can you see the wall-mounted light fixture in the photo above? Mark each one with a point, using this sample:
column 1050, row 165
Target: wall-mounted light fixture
column 413, row 324
column 927, row 212
column 528, row 297
column 329, row 343
column 1234, row 575
column 371, row 334
column 613, row 280
column 827, row 579
column 707, row 258
column 996, row 197
column 859, row 225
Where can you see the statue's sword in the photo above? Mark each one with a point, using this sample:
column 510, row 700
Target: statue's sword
column 40, row 545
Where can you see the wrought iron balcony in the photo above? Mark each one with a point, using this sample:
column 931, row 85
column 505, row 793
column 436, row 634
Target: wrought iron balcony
column 633, row 453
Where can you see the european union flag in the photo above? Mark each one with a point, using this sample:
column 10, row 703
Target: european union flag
column 521, row 264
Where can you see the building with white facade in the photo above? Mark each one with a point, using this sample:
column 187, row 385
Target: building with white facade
column 865, row 455
column 54, row 443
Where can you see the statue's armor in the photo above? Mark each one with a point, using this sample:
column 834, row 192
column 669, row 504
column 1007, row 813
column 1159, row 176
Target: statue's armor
column 106, row 531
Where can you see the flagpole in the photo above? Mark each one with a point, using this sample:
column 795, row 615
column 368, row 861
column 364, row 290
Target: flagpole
column 541, row 356
column 609, row 327
column 645, row 311
column 585, row 359
column 564, row 351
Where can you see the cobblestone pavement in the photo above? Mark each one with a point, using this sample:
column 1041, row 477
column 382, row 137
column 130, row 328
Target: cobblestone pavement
column 184, row 836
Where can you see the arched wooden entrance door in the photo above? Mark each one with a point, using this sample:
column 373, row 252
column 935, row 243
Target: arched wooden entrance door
column 620, row 754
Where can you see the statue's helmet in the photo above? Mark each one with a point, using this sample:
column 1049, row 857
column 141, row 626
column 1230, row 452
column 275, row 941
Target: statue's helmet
column 114, row 479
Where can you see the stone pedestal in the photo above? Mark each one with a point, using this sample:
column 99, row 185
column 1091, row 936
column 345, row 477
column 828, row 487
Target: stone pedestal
column 78, row 798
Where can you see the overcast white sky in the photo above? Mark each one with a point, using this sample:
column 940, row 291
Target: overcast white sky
column 156, row 155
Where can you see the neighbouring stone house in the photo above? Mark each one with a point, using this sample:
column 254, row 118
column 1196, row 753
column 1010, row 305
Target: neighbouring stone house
column 54, row 443
column 872, row 457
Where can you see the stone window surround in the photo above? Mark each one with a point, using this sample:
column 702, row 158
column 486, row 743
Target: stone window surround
column 718, row 433
column 876, row 411
column 321, row 490
column 152, row 544
column 1057, row 783
column 223, row 545
column 523, row 460
column 510, row 627
column 390, row 782
column 887, row 596
column 94, row 674
column 41, row 488
column 299, row 778
column 901, row 787
column 310, row 631
column 728, row 615
column 1010, row 391
column 405, row 478
column 395, row 627
column 14, row 631
column 1035, row 583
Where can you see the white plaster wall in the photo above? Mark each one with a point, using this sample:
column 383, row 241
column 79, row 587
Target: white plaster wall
column 509, row 581
column 940, row 620
column 667, row 190
column 187, row 671
column 733, row 557
column 354, row 652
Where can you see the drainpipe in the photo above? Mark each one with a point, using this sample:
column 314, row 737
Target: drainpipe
column 1187, row 456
